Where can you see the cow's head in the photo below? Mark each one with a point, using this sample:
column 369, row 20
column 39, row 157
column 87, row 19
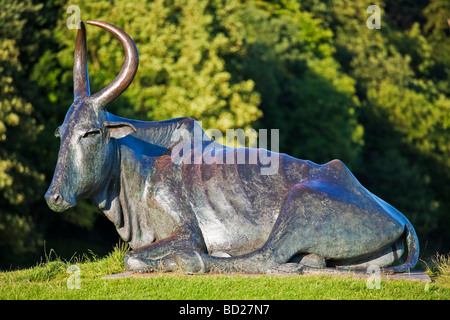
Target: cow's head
column 87, row 151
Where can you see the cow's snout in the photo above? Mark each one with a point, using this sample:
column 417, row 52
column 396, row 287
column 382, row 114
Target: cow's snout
column 56, row 201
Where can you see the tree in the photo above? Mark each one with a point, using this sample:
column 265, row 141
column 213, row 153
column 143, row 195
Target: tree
column 20, row 180
column 404, row 113
column 437, row 31
column 181, row 72
column 288, row 54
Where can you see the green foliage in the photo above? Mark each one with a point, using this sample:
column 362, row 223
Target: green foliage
column 181, row 72
column 439, row 269
column 54, row 268
column 288, row 54
column 404, row 112
column 20, row 181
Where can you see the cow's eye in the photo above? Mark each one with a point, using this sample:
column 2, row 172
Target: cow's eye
column 91, row 133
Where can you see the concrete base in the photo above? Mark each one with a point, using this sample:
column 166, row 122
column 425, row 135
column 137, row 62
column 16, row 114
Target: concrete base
column 413, row 275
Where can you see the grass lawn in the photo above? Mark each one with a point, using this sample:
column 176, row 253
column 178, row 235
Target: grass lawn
column 51, row 280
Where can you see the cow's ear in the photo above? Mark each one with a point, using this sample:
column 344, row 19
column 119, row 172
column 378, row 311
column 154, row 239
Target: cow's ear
column 119, row 129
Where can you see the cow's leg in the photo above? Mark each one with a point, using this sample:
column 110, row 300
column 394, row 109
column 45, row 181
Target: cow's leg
column 329, row 220
column 158, row 256
column 286, row 239
column 312, row 263
column 380, row 259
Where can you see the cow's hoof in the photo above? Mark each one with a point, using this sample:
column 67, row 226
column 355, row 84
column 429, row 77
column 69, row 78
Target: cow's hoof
column 190, row 262
column 133, row 263
column 312, row 260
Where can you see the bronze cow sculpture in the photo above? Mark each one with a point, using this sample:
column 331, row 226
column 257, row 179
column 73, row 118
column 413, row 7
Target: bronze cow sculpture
column 214, row 217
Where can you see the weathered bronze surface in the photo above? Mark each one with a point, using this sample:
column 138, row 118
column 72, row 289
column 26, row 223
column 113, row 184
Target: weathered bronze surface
column 208, row 216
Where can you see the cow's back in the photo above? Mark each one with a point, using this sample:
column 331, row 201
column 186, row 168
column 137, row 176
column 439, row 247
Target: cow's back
column 235, row 204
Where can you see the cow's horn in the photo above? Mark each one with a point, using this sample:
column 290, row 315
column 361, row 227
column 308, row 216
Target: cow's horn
column 80, row 71
column 129, row 68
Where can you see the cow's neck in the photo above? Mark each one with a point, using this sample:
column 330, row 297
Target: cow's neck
column 126, row 189
column 106, row 196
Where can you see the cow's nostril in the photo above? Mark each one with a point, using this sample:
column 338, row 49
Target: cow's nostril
column 57, row 202
column 54, row 198
column 57, row 198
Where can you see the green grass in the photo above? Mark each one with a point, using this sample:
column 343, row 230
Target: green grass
column 49, row 281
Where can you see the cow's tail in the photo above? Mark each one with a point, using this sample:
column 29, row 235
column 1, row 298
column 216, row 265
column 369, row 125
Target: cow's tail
column 412, row 243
